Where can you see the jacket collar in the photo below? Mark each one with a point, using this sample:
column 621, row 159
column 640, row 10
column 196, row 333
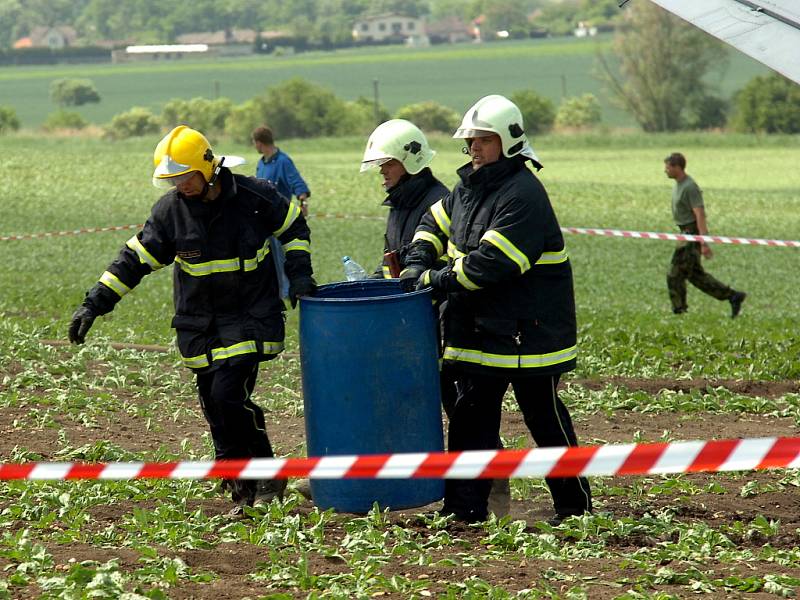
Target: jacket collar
column 490, row 176
column 228, row 190
column 410, row 191
column 272, row 158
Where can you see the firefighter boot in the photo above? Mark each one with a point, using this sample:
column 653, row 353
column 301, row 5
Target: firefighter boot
column 242, row 495
column 736, row 303
column 267, row 490
column 500, row 498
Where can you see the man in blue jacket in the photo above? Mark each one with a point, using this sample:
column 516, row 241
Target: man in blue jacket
column 277, row 167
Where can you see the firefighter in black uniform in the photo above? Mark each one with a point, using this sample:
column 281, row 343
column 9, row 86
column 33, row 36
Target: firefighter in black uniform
column 215, row 226
column 510, row 316
column 402, row 153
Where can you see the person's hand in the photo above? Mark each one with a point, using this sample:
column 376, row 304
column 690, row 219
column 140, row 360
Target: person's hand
column 409, row 277
column 301, row 286
column 303, row 200
column 80, row 324
column 705, row 249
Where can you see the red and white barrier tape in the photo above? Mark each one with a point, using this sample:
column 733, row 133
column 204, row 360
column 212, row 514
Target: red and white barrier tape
column 681, row 237
column 616, row 459
column 643, row 235
column 52, row 234
column 348, row 217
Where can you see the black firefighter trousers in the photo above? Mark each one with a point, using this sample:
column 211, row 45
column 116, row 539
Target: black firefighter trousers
column 475, row 425
column 236, row 422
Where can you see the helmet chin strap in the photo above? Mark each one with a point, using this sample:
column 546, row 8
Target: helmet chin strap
column 208, row 184
column 215, row 174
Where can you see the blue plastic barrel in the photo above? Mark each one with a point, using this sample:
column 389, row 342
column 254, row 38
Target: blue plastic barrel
column 370, row 386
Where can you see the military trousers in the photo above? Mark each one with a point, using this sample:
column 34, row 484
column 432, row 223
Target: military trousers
column 686, row 266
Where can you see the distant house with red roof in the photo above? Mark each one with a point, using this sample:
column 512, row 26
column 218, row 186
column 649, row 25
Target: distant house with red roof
column 57, row 37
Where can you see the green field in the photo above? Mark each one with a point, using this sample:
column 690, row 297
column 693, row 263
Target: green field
column 454, row 75
column 643, row 375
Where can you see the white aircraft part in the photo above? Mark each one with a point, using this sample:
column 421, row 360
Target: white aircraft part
column 766, row 30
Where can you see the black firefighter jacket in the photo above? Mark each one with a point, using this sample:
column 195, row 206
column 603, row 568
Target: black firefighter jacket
column 407, row 202
column 227, row 304
column 510, row 303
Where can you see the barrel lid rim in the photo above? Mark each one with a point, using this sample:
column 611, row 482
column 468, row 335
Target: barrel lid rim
column 361, row 284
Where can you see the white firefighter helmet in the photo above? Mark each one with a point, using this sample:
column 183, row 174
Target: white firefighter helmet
column 497, row 114
column 401, row 140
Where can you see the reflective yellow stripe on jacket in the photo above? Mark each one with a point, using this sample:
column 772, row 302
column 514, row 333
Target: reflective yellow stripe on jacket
column 441, row 217
column 291, row 215
column 225, row 265
column 461, row 276
column 208, row 268
column 251, row 264
column 505, row 246
column 112, row 282
column 297, row 245
column 430, row 237
column 247, row 347
column 553, row 258
column 510, row 361
column 144, row 256
column 454, row 252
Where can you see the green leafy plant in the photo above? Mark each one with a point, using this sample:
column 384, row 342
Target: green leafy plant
column 202, row 114
column 538, row 112
column 133, row 123
column 64, row 119
column 8, row 120
column 768, row 104
column 578, row 113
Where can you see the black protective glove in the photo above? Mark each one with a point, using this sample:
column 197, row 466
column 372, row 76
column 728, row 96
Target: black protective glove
column 301, row 286
column 432, row 279
column 80, row 324
column 408, row 278
column 424, row 280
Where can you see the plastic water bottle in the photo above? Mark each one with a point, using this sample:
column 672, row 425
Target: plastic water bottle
column 352, row 270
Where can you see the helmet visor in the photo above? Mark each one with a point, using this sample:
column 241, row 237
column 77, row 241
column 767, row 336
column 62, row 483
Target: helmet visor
column 166, row 183
column 465, row 133
column 168, row 167
column 375, row 162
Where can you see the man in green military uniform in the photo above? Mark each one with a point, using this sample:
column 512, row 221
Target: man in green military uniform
column 690, row 216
